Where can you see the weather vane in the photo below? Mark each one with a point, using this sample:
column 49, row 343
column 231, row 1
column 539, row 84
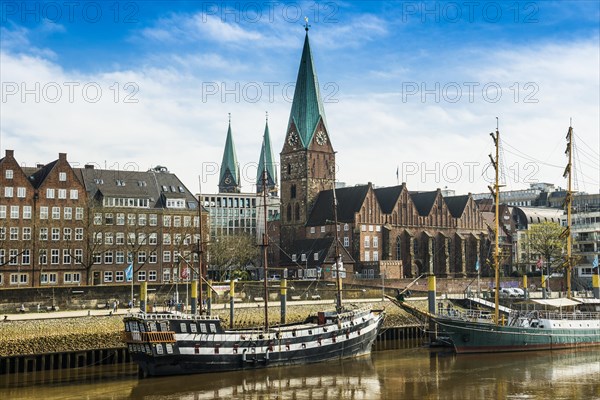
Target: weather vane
column 306, row 25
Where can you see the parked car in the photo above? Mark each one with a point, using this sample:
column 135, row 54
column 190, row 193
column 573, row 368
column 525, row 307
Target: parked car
column 508, row 292
column 520, row 292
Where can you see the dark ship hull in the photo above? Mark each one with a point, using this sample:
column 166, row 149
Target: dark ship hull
column 168, row 344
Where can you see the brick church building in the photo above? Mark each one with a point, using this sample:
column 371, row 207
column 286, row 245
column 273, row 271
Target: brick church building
column 390, row 230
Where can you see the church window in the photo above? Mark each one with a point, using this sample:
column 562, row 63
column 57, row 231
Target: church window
column 289, row 169
column 293, row 192
column 416, row 247
column 289, row 213
column 398, row 248
column 297, row 212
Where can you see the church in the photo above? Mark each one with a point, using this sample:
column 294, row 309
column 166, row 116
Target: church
column 388, row 232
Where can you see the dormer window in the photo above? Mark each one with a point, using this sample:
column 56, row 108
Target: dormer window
column 142, row 183
column 98, row 181
column 120, row 182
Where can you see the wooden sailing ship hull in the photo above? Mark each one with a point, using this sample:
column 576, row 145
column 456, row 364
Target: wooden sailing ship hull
column 164, row 344
column 480, row 337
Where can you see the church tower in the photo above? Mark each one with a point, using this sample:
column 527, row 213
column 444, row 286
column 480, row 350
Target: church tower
column 229, row 176
column 265, row 162
column 307, row 158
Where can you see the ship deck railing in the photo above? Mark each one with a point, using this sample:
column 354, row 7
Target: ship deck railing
column 554, row 315
column 175, row 315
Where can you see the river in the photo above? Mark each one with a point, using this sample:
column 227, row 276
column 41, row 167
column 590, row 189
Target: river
column 401, row 371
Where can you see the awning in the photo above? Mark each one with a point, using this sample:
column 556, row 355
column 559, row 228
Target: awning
column 562, row 302
column 587, row 300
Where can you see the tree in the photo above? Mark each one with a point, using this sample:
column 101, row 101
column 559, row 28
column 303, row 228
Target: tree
column 546, row 239
column 232, row 253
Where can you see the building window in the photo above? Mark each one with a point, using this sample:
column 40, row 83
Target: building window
column 97, row 258
column 108, row 257
column 346, row 227
column 363, row 228
column 142, row 220
column 21, row 192
column 14, row 212
column 177, row 221
column 55, row 234
column 74, row 194
column 302, row 257
column 120, row 238
column 367, row 256
column 293, row 257
column 54, row 256
column 166, row 275
column 120, row 257
column 25, row 257
column 153, row 239
column 66, row 256
column 322, row 229
column 166, row 256
column 316, row 256
column 289, row 213
column 312, row 229
column 2, row 212
column 79, row 213
column 43, row 257
column 14, row 233
column 44, row 212
column 26, row 233
column 55, row 212
column 152, row 275
column 375, row 241
column 141, row 276
column 108, row 276
column 153, row 259
column 62, row 193
column 375, row 256
column 62, row 176
column 109, row 238
column 8, row 191
column 346, row 241
column 8, row 174
column 68, row 213
column 109, row 219
column 293, row 191
column 398, row 248
column 78, row 233
column 367, row 242
column 120, row 218
column 166, row 220
column 78, row 256
column 141, row 257
column 49, row 193
column 153, row 220
column 43, row 233
column 120, row 276
column 297, row 212
column 131, row 219
column 13, row 257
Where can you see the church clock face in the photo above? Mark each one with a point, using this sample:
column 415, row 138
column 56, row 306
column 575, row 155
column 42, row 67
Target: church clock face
column 293, row 138
column 321, row 138
column 227, row 180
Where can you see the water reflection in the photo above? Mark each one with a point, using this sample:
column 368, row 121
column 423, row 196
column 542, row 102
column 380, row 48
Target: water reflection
column 401, row 373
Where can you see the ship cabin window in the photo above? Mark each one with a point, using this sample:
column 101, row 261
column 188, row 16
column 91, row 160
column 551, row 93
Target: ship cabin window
column 183, row 327
column 193, row 328
column 203, row 328
column 213, row 328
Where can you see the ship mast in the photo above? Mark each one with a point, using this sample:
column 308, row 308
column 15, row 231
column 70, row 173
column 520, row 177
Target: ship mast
column 568, row 203
column 496, row 192
column 265, row 238
column 200, row 251
column 337, row 256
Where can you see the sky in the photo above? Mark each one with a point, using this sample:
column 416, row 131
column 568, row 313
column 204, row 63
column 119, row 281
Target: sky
column 411, row 89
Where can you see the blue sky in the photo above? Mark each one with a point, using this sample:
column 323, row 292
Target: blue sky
column 409, row 86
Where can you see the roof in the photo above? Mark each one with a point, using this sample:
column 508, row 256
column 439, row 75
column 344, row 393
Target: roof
column 309, row 247
column 423, row 201
column 456, row 204
column 307, row 107
column 560, row 302
column 349, row 199
column 229, row 164
column 266, row 160
column 38, row 177
column 388, row 197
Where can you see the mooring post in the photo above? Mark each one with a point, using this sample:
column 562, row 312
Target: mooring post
column 525, row 287
column 283, row 296
column 143, row 296
column 431, row 302
column 231, row 302
column 209, row 297
column 596, row 285
column 194, row 297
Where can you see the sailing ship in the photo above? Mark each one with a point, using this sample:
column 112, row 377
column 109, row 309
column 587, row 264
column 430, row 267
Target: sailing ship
column 177, row 343
column 567, row 325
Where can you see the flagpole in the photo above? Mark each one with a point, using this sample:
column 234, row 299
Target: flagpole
column 131, row 284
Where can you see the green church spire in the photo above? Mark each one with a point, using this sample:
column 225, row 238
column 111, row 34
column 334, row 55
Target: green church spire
column 266, row 161
column 229, row 178
column 307, row 106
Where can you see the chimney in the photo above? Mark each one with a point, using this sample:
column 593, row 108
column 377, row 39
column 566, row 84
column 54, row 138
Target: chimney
column 39, row 165
column 62, row 156
column 89, row 166
column 10, row 153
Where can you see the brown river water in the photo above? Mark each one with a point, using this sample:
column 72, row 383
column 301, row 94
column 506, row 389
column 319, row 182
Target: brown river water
column 397, row 371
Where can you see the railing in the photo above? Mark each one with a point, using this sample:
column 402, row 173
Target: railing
column 164, row 316
column 551, row 315
column 149, row 337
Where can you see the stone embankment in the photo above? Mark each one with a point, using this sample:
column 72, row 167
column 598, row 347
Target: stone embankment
column 52, row 335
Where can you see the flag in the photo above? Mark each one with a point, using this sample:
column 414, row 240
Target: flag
column 595, row 262
column 539, row 263
column 129, row 272
column 185, row 273
column 477, row 265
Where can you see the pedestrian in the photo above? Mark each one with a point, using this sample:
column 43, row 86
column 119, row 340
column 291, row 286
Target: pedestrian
column 117, row 305
column 114, row 306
